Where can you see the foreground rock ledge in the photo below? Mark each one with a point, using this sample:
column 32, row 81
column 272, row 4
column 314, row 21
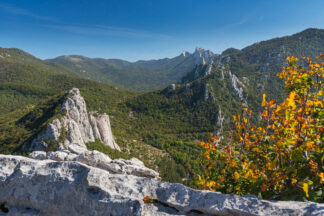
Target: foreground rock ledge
column 47, row 187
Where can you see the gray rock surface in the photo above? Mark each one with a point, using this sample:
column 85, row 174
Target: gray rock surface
column 102, row 130
column 47, row 187
column 52, row 132
column 98, row 160
column 209, row 93
column 237, row 85
column 76, row 126
column 219, row 122
column 171, row 87
column 76, row 121
column 203, row 57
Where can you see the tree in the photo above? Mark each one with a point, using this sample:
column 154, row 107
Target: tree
column 282, row 155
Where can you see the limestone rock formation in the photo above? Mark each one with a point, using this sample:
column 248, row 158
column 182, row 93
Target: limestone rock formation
column 219, row 122
column 209, row 93
column 237, row 85
column 98, row 160
column 48, row 187
column 76, row 126
column 171, row 87
column 203, row 56
column 102, row 130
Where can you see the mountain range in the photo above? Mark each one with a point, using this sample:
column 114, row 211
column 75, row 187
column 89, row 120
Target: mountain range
column 158, row 109
column 139, row 76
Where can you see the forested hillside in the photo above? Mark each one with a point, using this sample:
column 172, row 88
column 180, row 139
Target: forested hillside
column 139, row 76
column 162, row 127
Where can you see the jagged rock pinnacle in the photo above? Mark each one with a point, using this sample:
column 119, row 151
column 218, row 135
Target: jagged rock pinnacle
column 76, row 126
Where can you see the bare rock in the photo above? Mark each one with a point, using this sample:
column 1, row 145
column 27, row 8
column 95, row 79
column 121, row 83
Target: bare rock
column 57, row 155
column 47, row 187
column 171, row 87
column 237, row 85
column 76, row 148
column 76, row 121
column 76, row 126
column 40, row 155
column 98, row 160
column 52, row 132
column 102, row 130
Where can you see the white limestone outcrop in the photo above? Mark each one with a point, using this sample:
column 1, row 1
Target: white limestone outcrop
column 202, row 62
column 203, row 57
column 98, row 160
column 209, row 93
column 237, row 85
column 101, row 129
column 76, row 126
column 48, row 187
column 171, row 87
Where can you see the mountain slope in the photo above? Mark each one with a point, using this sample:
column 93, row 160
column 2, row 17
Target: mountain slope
column 172, row 119
column 138, row 76
column 254, row 69
column 25, row 79
column 260, row 62
column 207, row 98
column 32, row 91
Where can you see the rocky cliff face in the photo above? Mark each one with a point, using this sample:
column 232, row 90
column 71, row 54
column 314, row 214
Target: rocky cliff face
column 206, row 58
column 203, row 56
column 238, row 86
column 77, row 126
column 202, row 60
column 74, row 182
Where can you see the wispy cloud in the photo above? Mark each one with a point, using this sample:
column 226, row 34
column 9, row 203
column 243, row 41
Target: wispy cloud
column 240, row 22
column 102, row 30
column 22, row 12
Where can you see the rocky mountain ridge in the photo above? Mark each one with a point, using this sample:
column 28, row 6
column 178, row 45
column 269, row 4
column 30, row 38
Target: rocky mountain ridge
column 153, row 73
column 76, row 126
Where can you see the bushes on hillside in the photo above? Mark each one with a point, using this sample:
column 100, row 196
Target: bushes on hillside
column 282, row 155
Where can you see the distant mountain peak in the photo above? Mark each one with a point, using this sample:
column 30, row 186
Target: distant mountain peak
column 185, row 53
column 199, row 50
column 203, row 56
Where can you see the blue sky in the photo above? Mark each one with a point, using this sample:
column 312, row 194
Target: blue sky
column 149, row 29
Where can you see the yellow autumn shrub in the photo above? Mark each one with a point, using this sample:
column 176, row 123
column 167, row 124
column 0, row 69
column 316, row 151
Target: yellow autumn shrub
column 281, row 156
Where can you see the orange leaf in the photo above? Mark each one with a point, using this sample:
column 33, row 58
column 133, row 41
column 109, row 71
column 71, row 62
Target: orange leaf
column 236, row 176
column 263, row 100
